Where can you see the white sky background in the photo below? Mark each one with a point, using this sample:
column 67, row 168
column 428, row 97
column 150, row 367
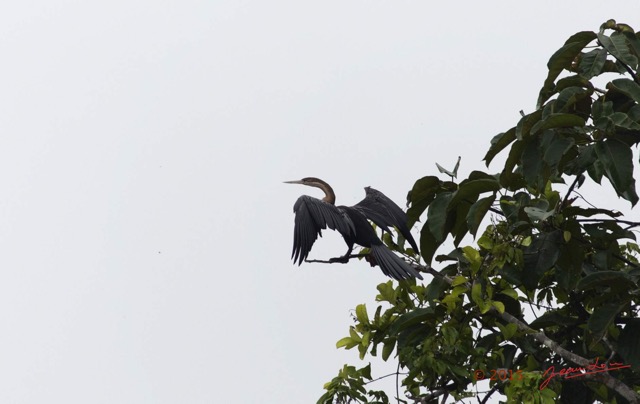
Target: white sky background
column 145, row 229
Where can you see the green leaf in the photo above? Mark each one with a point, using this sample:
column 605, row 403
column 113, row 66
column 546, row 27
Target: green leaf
column 361, row 314
column 450, row 334
column 602, row 108
column 586, row 157
column 387, row 292
column 511, row 293
column 476, row 293
column 438, row 214
column 498, row 143
column 498, row 306
column 552, row 318
column 623, row 120
column 428, row 244
column 630, row 194
column 562, row 59
column 414, row 317
column 627, row 87
column 613, row 67
column 387, row 348
column 507, row 176
column 421, row 195
column 558, row 121
column 364, row 344
column 459, row 280
column 557, row 149
column 508, row 330
column 481, row 175
column 474, row 258
column 617, row 45
column 596, row 171
column 568, row 97
column 459, row 229
column 540, row 256
column 469, row 190
column 347, row 343
column 617, row 160
column 605, row 279
column 601, row 319
column 629, row 344
column 366, row 372
column 575, row 80
column 633, row 41
column 435, row 289
column 477, row 212
column 592, row 62
column 453, row 297
column 523, row 128
column 532, row 163
column 588, row 212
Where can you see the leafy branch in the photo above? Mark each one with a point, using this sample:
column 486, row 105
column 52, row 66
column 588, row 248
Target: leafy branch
column 577, row 265
column 610, row 381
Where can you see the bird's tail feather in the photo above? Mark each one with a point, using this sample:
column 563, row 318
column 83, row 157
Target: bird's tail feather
column 392, row 265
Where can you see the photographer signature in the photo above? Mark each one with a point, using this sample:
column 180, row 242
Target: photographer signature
column 570, row 373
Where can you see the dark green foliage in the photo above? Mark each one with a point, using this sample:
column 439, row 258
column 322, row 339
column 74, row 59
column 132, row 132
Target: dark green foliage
column 575, row 264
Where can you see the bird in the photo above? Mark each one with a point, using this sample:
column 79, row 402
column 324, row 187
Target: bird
column 312, row 215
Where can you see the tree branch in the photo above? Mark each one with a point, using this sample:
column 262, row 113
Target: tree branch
column 341, row 260
column 488, row 395
column 608, row 380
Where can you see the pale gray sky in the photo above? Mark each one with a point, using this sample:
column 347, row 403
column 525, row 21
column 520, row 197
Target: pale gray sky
column 144, row 226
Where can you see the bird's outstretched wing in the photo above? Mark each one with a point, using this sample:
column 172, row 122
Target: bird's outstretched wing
column 313, row 215
column 382, row 211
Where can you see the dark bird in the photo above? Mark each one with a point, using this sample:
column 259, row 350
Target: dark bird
column 313, row 215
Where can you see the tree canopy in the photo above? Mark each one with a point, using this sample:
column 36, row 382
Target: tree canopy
column 544, row 304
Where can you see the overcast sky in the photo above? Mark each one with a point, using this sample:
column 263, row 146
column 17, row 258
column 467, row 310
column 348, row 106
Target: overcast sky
column 145, row 230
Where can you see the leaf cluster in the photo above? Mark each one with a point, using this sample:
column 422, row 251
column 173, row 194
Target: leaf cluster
column 575, row 267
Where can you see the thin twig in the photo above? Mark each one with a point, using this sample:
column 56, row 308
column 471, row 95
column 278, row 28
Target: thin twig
column 385, row 376
column 398, row 383
column 570, row 190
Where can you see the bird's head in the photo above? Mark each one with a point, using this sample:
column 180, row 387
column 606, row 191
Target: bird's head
column 309, row 181
column 317, row 183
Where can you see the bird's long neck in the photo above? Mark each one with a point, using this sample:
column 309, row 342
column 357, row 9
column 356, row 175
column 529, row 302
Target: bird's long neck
column 329, row 195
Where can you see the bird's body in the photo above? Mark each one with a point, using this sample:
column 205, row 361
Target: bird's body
column 352, row 222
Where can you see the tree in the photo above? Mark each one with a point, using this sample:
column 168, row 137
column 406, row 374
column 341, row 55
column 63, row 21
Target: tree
column 574, row 267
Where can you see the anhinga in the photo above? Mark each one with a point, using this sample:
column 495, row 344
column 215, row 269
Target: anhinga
column 313, row 215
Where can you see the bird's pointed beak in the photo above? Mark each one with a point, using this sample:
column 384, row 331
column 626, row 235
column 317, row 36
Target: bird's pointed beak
column 293, row 182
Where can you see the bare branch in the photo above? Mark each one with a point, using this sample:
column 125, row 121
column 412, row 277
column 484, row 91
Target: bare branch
column 341, row 260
